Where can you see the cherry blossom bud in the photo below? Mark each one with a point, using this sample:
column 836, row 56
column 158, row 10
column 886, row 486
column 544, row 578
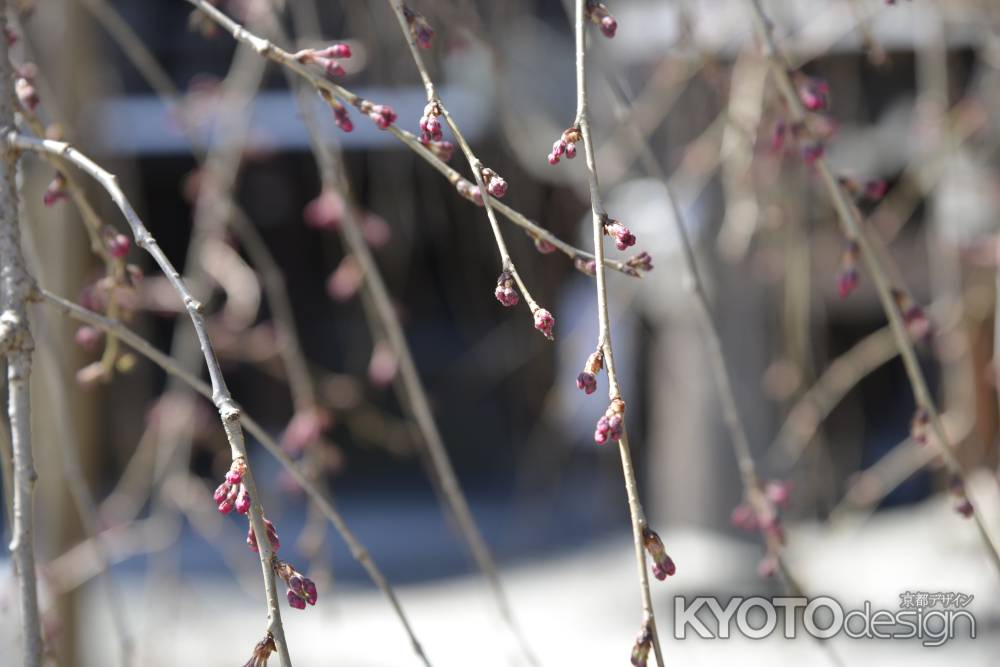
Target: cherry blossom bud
column 339, row 50
column 346, row 279
column 584, row 265
column 305, row 428
column 640, row 263
column 778, row 492
column 965, row 508
column 381, row 114
column 814, row 94
column 914, row 317
column 220, row 493
column 847, row 277
column 811, row 151
column 495, row 185
column 544, row 322
column 272, row 537
column 420, row 29
column 611, row 425
column 643, row 644
column 598, row 14
column 26, row 94
column 88, row 337
column 506, row 290
column 325, row 211
column 767, row 567
column 243, row 500
column 118, row 245
column 444, row 150
column 875, row 190
column 743, row 517
column 543, row 246
column 778, row 135
column 469, row 191
column 342, row 119
column 56, row 191
column 663, row 564
column 565, row 145
column 586, row 382
column 383, row 365
column 301, row 589
column 620, row 233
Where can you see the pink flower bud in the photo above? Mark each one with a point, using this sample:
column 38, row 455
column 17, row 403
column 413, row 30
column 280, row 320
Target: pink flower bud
column 88, row 337
column 243, row 501
column 814, row 94
column 586, row 382
column 339, row 50
column 544, row 322
column 118, row 245
column 778, row 492
column 965, row 508
column 221, row 492
column 847, row 281
column 609, row 26
column 295, row 601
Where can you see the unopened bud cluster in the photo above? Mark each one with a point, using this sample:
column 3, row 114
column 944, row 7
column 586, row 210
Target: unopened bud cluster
column 544, row 322
column 642, row 646
column 585, row 265
column 847, row 277
column 431, row 132
column 914, row 317
column 663, row 564
column 506, row 291
column 623, row 237
column 232, row 493
column 381, row 114
column 611, row 425
column 638, row 264
column 301, row 589
column 495, row 184
column 272, row 537
column 565, row 145
column 777, row 494
column 598, row 14
column 962, row 503
column 326, row 58
column 420, row 29
column 586, row 381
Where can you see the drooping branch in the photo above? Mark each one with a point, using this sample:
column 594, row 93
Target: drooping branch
column 877, row 267
column 301, row 477
column 220, row 396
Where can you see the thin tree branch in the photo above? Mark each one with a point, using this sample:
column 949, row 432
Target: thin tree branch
column 16, row 289
column 600, row 216
column 228, row 411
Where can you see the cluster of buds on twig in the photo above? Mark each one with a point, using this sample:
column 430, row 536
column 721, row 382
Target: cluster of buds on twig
column 495, row 184
column 623, row 237
column 847, row 277
column 24, row 87
column 873, row 190
column 611, row 425
column 587, row 265
column 326, row 58
column 301, row 589
column 544, row 322
column 640, row 263
column 261, row 652
column 232, row 493
column 663, row 564
column 586, row 381
column 506, row 291
column 420, row 28
column 914, row 317
column 381, row 114
column 272, row 537
column 776, row 495
column 117, row 243
column 598, row 14
column 56, row 191
column 470, row 191
column 918, row 426
column 808, row 137
column 541, row 245
column 430, row 123
column 642, row 646
column 305, row 428
column 813, row 93
column 565, row 145
column 962, row 503
column 341, row 118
